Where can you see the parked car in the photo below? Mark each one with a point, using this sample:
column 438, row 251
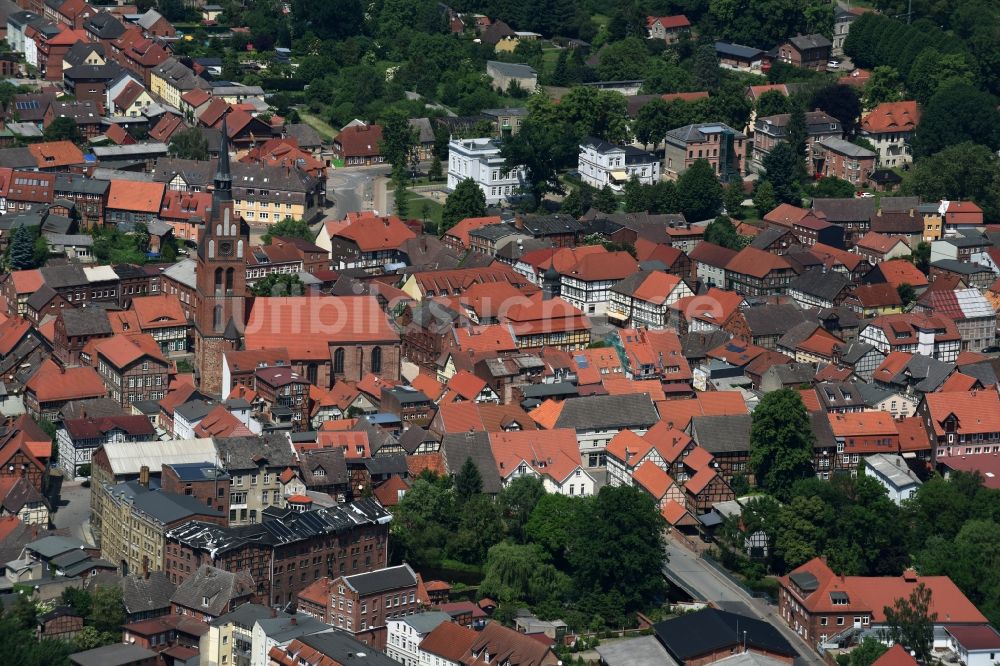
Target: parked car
column 833, row 64
column 863, row 195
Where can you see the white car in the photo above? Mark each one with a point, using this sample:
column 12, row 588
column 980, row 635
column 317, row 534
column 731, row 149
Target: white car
column 833, row 64
column 863, row 195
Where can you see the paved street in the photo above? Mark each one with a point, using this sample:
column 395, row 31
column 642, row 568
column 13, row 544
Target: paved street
column 354, row 189
column 73, row 511
column 715, row 587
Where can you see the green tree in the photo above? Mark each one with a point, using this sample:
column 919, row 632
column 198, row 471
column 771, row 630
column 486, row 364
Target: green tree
column 467, row 200
column 89, row 638
column 398, row 139
column 423, row 520
column 21, row 253
column 722, row 232
column 278, row 284
column 618, row 554
column 771, row 103
column 523, row 574
column 732, row 198
column 107, row 611
column 910, row 623
column 400, row 197
column 605, row 200
column 636, row 196
column 782, row 166
column 705, row 67
column 841, row 102
column 764, row 199
column 652, row 122
column 867, row 652
column 831, row 187
column 958, row 113
column 906, row 293
column 188, row 144
column 553, row 524
column 435, row 172
column 624, row 60
column 517, row 501
column 883, row 86
column 797, row 131
column 781, row 442
column 288, row 228
column 965, row 171
column 932, row 68
column 578, row 201
column 63, row 129
column 77, row 599
column 921, row 256
column 699, row 191
column 468, row 481
column 479, row 528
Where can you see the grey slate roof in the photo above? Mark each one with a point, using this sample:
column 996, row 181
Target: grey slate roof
column 960, row 267
column 216, row 586
column 774, row 318
column 814, row 41
column 792, row 373
column 331, row 461
column 104, row 25
column 840, row 210
column 693, row 133
column 290, row 527
column 722, row 434
column 304, row 134
column 246, row 615
column 737, row 50
column 143, row 595
column 346, row 650
column 600, row 412
column 116, row 654
column 374, row 582
column 495, row 231
column 249, row 452
column 855, row 351
column 845, row 148
column 162, row 506
column 53, row 546
column 763, row 240
column 547, row 225
column 823, row 284
column 426, row 622
column 819, row 423
column 41, row 298
column 456, row 448
column 86, row 321
column 709, row 630
column 286, row 628
column 77, row 184
column 511, row 69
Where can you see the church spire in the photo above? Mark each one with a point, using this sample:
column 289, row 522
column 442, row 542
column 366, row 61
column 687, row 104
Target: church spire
column 223, row 178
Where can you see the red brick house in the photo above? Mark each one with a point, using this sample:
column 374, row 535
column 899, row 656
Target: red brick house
column 809, row 51
column 362, row 604
column 358, row 145
column 842, row 159
column 818, row 604
column 133, row 368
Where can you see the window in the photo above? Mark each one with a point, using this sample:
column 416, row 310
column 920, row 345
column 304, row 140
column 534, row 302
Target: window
column 822, row 621
column 840, row 621
column 338, row 361
column 376, row 362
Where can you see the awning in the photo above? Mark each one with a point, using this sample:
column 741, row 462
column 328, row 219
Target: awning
column 617, row 315
column 619, row 175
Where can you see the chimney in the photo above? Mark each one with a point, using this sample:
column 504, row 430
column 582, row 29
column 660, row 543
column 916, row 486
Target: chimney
column 144, row 476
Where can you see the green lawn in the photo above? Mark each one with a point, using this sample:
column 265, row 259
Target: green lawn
column 423, row 208
column 321, row 126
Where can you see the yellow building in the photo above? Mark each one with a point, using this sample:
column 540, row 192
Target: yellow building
column 933, row 221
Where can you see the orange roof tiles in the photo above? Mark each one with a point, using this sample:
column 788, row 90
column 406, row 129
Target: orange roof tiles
column 553, row 453
column 354, row 443
column 461, row 230
column 892, row 117
column 371, row 232
column 976, row 412
column 427, row 385
column 628, row 447
column 450, row 641
column 705, row 403
column 913, row 435
column 466, row 385
column 136, row 196
column 700, row 481
column 219, row 422
column 547, row 413
column 53, row 154
column 880, row 243
column 123, row 350
column 895, row 656
column 901, row 271
column 715, row 306
column 856, row 424
column 785, row 215
column 656, row 287
column 432, row 462
column 623, row 386
column 959, row 382
column 653, row 479
column 50, row 383
column 308, row 326
column 756, row 263
column 673, row 512
column 390, row 491
column 26, row 282
column 494, row 337
column 163, row 310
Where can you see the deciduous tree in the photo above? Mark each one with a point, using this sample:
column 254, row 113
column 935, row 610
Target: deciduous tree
column 467, row 200
column 910, row 623
column 188, row 144
column 764, row 200
column 699, row 191
column 288, row 228
column 781, row 442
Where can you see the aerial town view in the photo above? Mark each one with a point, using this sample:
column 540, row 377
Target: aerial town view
column 499, row 332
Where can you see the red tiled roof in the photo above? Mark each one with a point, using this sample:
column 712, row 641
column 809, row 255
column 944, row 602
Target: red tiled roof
column 669, row 22
column 50, row 383
column 959, row 382
column 656, row 287
column 880, row 243
column 785, row 215
column 895, row 656
column 118, row 135
column 426, row 461
column 168, row 125
column 307, row 326
column 185, row 206
column 136, row 196
column 128, row 95
column 463, row 227
column 466, row 385
column 196, row 97
column 220, row 422
column 653, row 479
column 52, row 154
column 371, row 232
column 90, row 428
column 901, row 271
column 450, row 641
column 977, row 411
column 678, row 413
column 913, row 435
column 427, row 385
column 388, row 493
column 892, row 117
column 553, row 453
column 877, row 295
column 163, row 310
column 494, row 337
column 359, row 141
column 123, row 350
column 756, row 263
column 547, row 413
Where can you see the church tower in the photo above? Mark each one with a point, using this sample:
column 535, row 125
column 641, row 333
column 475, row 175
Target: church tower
column 220, row 276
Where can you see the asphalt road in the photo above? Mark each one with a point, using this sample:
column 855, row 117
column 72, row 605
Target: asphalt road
column 73, row 510
column 353, row 189
column 716, row 588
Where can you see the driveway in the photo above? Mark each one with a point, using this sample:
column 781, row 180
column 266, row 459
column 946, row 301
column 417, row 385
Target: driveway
column 72, row 510
column 716, row 588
